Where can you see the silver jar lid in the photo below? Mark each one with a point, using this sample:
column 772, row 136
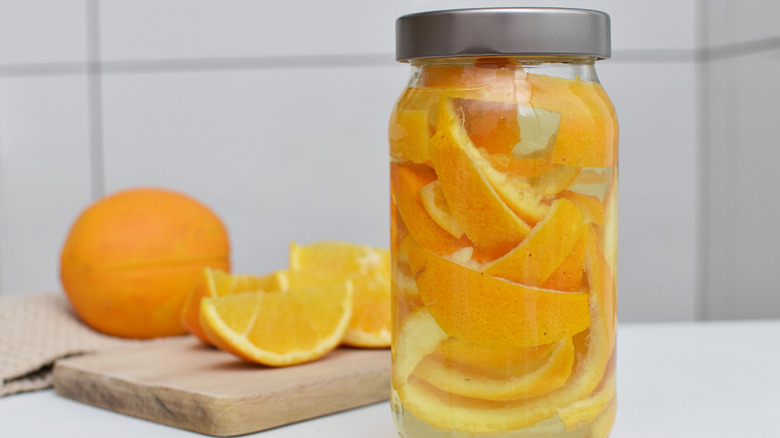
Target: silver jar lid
column 502, row 32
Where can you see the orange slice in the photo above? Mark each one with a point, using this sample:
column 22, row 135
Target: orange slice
column 367, row 267
column 487, row 310
column 510, row 383
column 279, row 328
column 588, row 132
column 485, row 217
column 217, row 283
column 543, row 251
column 406, row 183
column 434, row 203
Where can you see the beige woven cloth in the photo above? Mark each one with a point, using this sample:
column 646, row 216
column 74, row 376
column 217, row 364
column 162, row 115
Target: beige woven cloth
column 35, row 331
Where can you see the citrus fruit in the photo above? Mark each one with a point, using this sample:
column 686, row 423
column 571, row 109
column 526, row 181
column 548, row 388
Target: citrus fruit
column 216, row 283
column 279, row 328
column 131, row 258
column 487, row 310
column 369, row 270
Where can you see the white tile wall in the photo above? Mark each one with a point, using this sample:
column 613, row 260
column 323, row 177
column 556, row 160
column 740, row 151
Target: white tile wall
column 42, row 31
column 744, row 21
column 182, row 29
column 656, row 106
column 743, row 202
column 296, row 150
column 44, row 176
column 287, row 154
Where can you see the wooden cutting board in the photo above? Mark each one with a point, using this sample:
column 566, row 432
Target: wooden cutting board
column 191, row 386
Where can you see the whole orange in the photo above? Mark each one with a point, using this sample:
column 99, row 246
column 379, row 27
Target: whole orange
column 131, row 258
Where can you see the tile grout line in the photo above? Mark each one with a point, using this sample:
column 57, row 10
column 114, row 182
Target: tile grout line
column 701, row 267
column 95, row 66
column 95, row 99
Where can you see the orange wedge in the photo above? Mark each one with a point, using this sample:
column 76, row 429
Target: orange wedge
column 367, row 267
column 543, row 251
column 279, row 328
column 487, row 310
column 406, row 182
column 509, row 383
column 485, row 217
column 218, row 283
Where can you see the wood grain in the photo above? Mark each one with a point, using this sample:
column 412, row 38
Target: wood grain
column 191, row 386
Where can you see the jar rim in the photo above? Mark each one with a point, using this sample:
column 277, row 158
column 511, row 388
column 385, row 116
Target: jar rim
column 523, row 32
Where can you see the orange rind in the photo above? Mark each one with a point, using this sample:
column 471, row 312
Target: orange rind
column 484, row 216
column 544, row 250
column 510, row 383
column 487, row 310
column 406, row 182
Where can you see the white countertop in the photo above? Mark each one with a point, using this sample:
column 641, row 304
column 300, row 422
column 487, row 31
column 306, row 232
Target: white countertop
column 687, row 380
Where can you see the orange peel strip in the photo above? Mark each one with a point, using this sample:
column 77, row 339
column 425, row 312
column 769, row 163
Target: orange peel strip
column 474, row 382
column 544, row 250
column 486, row 310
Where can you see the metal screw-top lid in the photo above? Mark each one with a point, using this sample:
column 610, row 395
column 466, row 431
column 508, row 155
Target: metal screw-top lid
column 503, row 32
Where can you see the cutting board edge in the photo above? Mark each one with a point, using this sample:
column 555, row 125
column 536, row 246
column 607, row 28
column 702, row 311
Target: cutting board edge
column 215, row 415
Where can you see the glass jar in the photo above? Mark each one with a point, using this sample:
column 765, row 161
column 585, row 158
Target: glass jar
column 504, row 174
